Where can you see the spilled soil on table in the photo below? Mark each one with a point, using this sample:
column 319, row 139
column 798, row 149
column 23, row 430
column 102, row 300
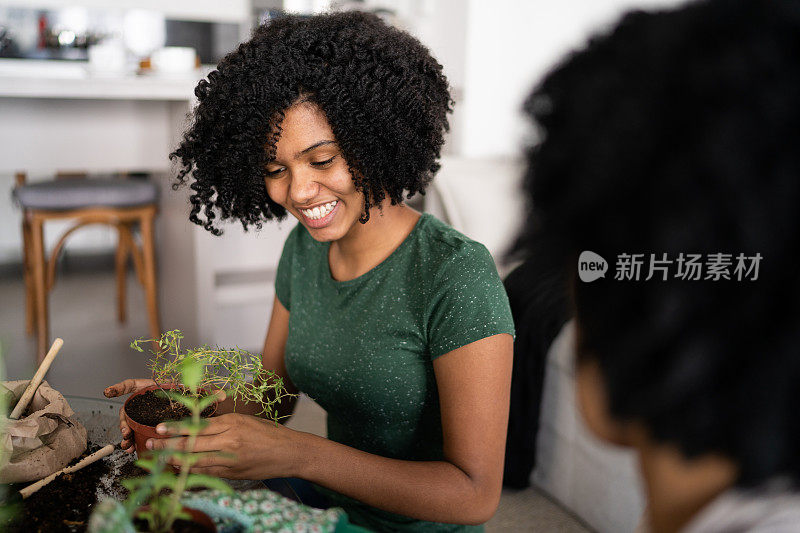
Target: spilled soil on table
column 65, row 503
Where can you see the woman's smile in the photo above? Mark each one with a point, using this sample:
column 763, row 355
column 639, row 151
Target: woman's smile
column 320, row 215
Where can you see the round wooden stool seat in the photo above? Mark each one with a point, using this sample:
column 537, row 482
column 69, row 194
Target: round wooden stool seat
column 67, row 194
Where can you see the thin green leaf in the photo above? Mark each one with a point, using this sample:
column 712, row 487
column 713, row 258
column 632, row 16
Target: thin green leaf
column 192, row 373
column 165, row 480
column 209, row 482
column 164, row 455
column 133, row 483
column 171, row 455
column 205, row 401
column 187, row 401
column 190, row 427
column 147, row 463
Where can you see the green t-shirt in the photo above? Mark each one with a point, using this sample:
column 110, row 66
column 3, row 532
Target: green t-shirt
column 364, row 348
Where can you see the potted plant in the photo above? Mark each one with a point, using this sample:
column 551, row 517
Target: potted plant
column 239, row 373
column 154, row 500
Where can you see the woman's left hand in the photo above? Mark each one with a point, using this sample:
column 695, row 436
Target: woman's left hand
column 249, row 447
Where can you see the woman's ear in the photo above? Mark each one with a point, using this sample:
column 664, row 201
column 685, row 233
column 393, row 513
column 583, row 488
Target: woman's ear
column 592, row 397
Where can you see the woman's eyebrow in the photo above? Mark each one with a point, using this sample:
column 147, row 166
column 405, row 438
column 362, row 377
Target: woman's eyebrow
column 312, row 147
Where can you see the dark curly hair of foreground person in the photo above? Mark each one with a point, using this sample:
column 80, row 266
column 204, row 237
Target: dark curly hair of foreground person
column 384, row 95
column 680, row 132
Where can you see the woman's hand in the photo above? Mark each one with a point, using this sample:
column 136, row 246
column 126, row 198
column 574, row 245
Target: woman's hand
column 249, row 447
column 120, row 389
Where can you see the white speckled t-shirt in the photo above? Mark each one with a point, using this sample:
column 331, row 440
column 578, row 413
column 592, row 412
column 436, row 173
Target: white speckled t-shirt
column 364, row 348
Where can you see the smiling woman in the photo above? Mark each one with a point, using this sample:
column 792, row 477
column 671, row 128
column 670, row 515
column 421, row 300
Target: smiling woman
column 392, row 321
column 384, row 96
column 309, row 177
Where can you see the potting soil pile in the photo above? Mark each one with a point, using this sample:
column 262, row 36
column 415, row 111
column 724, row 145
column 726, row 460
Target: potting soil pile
column 44, row 440
column 64, row 505
column 70, row 504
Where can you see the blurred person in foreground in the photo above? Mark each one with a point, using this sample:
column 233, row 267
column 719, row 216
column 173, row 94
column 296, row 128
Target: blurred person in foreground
column 677, row 136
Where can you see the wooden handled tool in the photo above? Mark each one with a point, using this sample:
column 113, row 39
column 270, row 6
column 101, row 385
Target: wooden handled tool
column 86, row 461
column 30, row 390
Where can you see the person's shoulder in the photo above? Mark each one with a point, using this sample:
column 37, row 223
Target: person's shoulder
column 447, row 249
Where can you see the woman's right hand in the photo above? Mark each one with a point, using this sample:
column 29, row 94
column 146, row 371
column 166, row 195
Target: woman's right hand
column 120, row 389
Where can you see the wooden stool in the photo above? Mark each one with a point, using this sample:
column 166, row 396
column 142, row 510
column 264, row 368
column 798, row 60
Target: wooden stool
column 120, row 203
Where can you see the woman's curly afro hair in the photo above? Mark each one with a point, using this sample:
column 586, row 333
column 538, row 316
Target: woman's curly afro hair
column 679, row 133
column 384, row 95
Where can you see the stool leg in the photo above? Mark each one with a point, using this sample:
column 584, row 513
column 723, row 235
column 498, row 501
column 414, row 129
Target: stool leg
column 121, row 263
column 40, row 291
column 27, row 273
column 151, row 294
column 136, row 255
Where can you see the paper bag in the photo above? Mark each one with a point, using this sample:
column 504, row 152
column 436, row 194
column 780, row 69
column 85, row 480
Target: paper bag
column 45, row 440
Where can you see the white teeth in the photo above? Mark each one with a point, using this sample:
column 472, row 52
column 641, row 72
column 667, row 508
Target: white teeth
column 319, row 211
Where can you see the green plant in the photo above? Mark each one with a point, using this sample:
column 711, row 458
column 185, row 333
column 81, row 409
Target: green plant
column 196, row 374
column 239, row 373
column 162, row 489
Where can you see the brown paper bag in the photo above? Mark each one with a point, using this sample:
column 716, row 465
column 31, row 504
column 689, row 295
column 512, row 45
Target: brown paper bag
column 43, row 442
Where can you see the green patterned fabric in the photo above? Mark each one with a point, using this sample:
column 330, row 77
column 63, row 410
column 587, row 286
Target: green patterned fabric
column 267, row 511
column 252, row 511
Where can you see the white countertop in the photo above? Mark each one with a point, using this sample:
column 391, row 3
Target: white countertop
column 21, row 78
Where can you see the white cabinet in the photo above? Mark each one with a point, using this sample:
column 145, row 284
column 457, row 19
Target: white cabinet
column 236, row 282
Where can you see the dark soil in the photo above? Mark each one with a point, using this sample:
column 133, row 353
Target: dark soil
column 65, row 503
column 151, row 408
column 128, row 470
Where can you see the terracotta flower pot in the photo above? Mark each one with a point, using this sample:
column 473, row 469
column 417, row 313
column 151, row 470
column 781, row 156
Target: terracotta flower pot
column 142, row 432
column 198, row 517
column 201, row 518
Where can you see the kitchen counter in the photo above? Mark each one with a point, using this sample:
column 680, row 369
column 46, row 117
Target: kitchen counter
column 20, row 78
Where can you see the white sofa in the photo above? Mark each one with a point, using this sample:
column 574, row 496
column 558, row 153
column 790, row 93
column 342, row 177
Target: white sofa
column 597, row 482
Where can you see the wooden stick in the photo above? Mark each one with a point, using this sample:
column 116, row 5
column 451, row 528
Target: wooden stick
column 23, row 402
column 86, row 461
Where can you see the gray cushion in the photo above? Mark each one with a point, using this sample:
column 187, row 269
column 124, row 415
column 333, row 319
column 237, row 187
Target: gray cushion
column 92, row 192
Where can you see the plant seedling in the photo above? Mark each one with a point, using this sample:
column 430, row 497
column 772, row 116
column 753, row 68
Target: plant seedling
column 239, row 373
column 162, row 489
column 195, row 374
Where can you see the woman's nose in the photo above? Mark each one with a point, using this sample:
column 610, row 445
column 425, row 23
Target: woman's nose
column 303, row 188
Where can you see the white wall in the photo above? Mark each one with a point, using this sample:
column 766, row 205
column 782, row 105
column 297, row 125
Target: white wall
column 46, row 135
column 510, row 45
column 442, row 25
column 205, row 10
